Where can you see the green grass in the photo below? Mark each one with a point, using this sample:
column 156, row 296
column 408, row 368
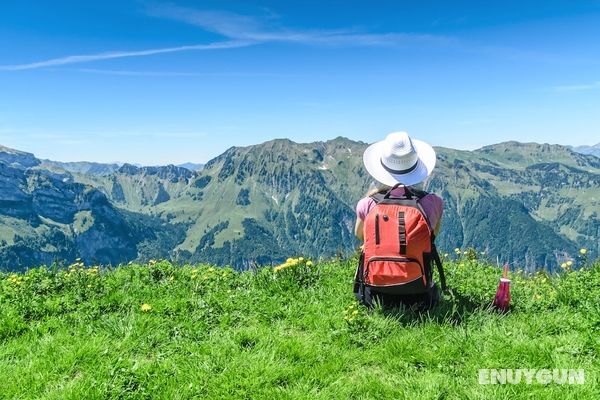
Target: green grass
column 216, row 333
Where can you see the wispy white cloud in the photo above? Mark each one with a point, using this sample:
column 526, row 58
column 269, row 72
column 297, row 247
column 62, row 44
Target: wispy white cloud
column 243, row 27
column 239, row 31
column 571, row 88
column 174, row 73
column 122, row 54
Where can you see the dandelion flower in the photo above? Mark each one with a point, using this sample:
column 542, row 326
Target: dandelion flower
column 457, row 250
column 582, row 251
column 146, row 307
column 569, row 263
column 563, row 265
column 309, row 263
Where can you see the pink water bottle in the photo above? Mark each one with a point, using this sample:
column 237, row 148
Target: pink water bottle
column 502, row 299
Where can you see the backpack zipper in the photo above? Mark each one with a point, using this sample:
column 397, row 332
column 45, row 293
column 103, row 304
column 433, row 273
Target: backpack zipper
column 377, row 229
column 400, row 259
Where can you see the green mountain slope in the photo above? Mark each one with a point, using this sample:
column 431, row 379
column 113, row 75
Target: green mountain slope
column 82, row 167
column 262, row 202
column 533, row 205
column 530, row 204
column 142, row 188
column 45, row 217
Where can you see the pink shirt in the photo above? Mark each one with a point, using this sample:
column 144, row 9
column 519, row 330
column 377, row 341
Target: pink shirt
column 432, row 205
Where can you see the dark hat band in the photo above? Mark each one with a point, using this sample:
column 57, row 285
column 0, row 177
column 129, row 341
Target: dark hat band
column 399, row 171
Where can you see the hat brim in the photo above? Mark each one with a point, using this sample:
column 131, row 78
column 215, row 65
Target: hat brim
column 426, row 163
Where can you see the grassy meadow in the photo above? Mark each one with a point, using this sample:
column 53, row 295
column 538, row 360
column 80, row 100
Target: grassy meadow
column 161, row 331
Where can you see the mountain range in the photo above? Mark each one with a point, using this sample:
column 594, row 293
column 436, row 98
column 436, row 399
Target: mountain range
column 593, row 150
column 533, row 205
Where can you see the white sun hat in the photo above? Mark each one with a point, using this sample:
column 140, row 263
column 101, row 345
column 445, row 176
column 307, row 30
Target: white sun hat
column 399, row 159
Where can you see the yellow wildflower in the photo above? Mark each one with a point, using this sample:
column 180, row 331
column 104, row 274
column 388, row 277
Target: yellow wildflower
column 569, row 263
column 146, row 307
column 309, row 263
column 563, row 265
column 582, row 251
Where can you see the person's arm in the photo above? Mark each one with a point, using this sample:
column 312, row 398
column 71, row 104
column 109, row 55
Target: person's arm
column 358, row 229
column 361, row 211
column 437, row 227
column 439, row 211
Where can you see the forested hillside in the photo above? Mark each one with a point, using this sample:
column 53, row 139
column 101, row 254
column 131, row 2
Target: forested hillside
column 533, row 205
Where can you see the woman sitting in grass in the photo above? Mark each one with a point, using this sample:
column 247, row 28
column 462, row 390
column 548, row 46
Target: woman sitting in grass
column 397, row 163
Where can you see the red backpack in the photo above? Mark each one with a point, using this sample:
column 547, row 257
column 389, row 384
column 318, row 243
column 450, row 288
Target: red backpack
column 399, row 248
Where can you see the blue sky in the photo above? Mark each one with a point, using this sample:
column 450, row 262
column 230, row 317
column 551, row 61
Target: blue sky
column 156, row 82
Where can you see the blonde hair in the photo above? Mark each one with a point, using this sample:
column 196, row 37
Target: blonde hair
column 377, row 187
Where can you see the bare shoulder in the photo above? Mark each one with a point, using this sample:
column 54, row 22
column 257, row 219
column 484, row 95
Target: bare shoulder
column 363, row 206
column 433, row 198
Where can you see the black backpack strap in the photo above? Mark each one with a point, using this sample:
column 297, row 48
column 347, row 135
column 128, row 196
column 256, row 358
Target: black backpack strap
column 378, row 197
column 419, row 194
column 389, row 192
column 359, row 284
column 409, row 193
column 440, row 267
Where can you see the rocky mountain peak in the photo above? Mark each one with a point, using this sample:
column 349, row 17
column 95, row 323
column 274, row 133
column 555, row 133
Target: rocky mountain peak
column 18, row 159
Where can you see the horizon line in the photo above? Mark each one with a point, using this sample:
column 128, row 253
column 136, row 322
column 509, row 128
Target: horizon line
column 178, row 164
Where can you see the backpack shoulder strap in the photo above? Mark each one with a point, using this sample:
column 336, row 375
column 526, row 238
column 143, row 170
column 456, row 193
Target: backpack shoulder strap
column 408, row 198
column 419, row 194
column 440, row 267
column 377, row 197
